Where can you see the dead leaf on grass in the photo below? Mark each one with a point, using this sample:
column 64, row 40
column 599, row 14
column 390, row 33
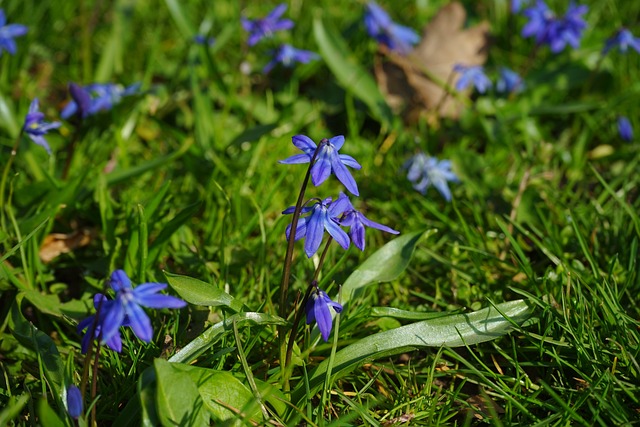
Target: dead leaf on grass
column 56, row 244
column 416, row 83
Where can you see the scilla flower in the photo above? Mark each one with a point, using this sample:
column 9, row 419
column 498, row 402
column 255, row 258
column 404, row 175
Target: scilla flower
column 379, row 25
column 624, row 129
column 36, row 128
column 317, row 309
column 74, row 401
column 472, row 76
column 8, row 32
column 623, row 40
column 425, row 171
column 356, row 221
column 287, row 55
column 265, row 27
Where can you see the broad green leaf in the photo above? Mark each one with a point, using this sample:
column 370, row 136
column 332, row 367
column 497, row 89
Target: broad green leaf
column 449, row 331
column 209, row 337
column 40, row 343
column 350, row 74
column 197, row 292
column 386, row 264
column 45, row 303
column 396, row 313
column 48, row 416
column 178, row 400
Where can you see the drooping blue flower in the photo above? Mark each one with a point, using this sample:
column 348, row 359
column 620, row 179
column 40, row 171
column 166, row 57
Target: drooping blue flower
column 265, row 27
column 379, row 25
column 325, row 215
column 622, row 39
column 287, row 55
column 8, row 32
column 625, row 129
column 317, row 309
column 509, row 81
column 556, row 32
column 472, row 75
column 356, row 221
column 36, row 128
column 125, row 310
column 89, row 100
column 425, row 171
column 327, row 161
column 74, row 401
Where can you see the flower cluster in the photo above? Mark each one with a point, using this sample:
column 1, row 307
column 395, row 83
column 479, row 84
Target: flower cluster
column 327, row 215
column 36, row 128
column 124, row 310
column 379, row 25
column 556, row 32
column 264, row 28
column 623, row 39
column 8, row 32
column 91, row 99
column 425, row 171
column 474, row 75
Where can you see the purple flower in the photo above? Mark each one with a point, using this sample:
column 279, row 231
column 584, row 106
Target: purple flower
column 472, row 75
column 425, row 171
column 95, row 97
column 74, row 401
column 317, row 310
column 622, row 39
column 36, row 128
column 8, row 33
column 356, row 221
column 125, row 310
column 265, row 27
column 396, row 37
column 327, row 161
column 325, row 215
column 509, row 81
column 287, row 55
column 204, row 40
column 556, row 32
column 624, row 129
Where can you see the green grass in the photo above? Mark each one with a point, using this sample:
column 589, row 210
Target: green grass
column 184, row 179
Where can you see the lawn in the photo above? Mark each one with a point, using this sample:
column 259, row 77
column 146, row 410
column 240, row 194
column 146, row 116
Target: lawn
column 319, row 213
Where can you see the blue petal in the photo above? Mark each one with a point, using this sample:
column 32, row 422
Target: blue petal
column 337, row 141
column 74, row 401
column 337, row 233
column 140, row 322
column 112, row 317
column 315, row 231
column 296, row 159
column 343, row 174
column 323, row 318
column 120, row 281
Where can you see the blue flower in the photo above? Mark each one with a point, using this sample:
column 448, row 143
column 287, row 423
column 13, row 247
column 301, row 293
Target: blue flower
column 74, row 401
column 265, row 27
column 8, row 33
column 516, row 5
column 325, row 215
column 328, row 160
column 472, row 75
column 356, row 221
column 204, row 40
column 287, row 55
column 125, row 310
column 36, row 128
column 396, row 37
column 317, row 309
column 624, row 129
column 509, row 81
column 553, row 31
column 425, row 171
column 89, row 100
column 622, row 39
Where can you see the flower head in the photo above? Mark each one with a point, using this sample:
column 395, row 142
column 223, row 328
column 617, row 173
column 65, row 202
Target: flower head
column 36, row 128
column 74, row 401
column 554, row 31
column 624, row 129
column 317, row 309
column 327, row 160
column 265, row 27
column 8, row 32
column 325, row 215
column 125, row 310
column 425, row 171
column 91, row 99
column 509, row 81
column 396, row 37
column 287, row 55
column 356, row 221
column 622, row 39
column 472, row 75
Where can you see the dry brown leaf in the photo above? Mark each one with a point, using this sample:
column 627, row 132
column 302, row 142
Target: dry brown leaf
column 415, row 83
column 56, row 244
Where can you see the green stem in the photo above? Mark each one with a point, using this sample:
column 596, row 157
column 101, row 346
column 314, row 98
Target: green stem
column 5, row 174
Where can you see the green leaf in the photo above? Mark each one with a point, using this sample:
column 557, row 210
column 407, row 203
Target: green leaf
column 349, row 73
column 197, row 292
column 48, row 416
column 13, row 408
column 178, row 400
column 209, row 337
column 450, row 331
column 386, row 264
column 396, row 313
